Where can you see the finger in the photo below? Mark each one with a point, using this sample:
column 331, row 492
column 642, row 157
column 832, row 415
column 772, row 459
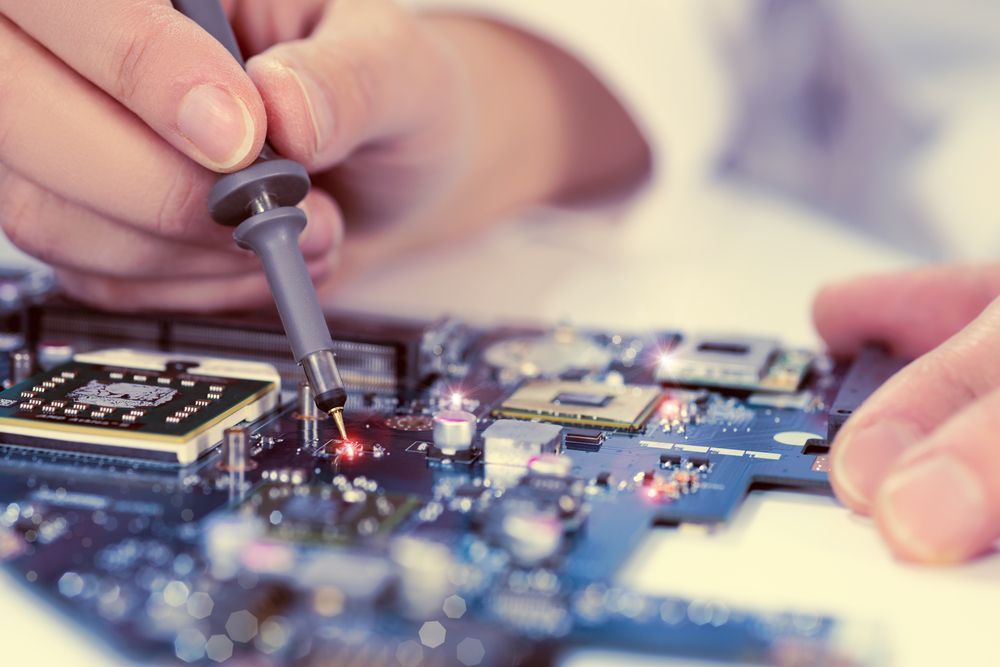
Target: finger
column 57, row 129
column 912, row 404
column 160, row 65
column 35, row 220
column 212, row 295
column 68, row 236
column 941, row 502
column 913, row 312
column 260, row 24
column 62, row 132
column 363, row 74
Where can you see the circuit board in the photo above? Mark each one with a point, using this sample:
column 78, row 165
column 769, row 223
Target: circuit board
column 494, row 482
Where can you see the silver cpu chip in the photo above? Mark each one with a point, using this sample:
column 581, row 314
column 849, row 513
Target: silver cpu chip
column 737, row 362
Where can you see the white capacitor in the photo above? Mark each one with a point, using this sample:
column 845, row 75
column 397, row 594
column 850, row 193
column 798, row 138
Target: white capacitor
column 530, row 536
column 454, row 431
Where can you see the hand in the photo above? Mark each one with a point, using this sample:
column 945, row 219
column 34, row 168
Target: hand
column 114, row 115
column 922, row 455
column 120, row 109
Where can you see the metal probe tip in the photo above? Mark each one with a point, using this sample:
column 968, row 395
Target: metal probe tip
column 338, row 419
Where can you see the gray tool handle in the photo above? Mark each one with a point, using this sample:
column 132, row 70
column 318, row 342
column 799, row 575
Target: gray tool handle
column 274, row 236
column 210, row 15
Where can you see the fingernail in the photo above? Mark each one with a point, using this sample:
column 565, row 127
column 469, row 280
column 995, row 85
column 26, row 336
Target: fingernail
column 861, row 460
column 935, row 510
column 218, row 124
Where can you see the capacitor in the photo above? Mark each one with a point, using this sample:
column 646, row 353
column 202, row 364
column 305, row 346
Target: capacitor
column 530, row 536
column 22, row 365
column 236, row 450
column 306, row 401
column 454, row 431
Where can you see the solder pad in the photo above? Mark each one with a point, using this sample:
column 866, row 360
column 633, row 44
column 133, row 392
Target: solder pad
column 623, row 407
column 92, row 408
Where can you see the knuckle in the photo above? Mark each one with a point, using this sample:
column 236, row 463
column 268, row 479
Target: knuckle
column 361, row 96
column 20, row 206
column 131, row 51
column 175, row 211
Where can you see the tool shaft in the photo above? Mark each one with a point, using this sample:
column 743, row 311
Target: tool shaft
column 261, row 200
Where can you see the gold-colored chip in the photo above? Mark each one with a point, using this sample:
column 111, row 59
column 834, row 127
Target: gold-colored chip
column 623, row 407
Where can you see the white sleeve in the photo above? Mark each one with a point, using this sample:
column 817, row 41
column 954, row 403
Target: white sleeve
column 652, row 54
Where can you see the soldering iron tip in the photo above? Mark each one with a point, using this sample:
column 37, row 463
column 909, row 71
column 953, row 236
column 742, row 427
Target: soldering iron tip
column 338, row 419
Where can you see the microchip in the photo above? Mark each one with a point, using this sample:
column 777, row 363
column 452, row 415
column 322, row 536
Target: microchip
column 328, row 514
column 583, row 441
column 136, row 404
column 620, row 407
column 731, row 362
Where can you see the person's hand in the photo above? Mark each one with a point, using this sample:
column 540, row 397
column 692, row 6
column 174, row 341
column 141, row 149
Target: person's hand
column 922, row 455
column 116, row 112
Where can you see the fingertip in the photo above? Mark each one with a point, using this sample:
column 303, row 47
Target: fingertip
column 863, row 455
column 824, row 314
column 294, row 106
column 223, row 130
column 934, row 511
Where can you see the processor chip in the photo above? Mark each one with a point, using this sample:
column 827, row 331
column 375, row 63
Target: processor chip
column 734, row 362
column 136, row 404
column 620, row 407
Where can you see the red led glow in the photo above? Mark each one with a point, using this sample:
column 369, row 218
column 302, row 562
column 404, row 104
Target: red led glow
column 350, row 450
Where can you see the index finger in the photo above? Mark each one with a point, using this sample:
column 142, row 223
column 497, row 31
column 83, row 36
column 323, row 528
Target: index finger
column 162, row 66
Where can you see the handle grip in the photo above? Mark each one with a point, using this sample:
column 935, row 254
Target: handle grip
column 210, row 15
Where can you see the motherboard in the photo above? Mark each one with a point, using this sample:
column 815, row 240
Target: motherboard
column 169, row 483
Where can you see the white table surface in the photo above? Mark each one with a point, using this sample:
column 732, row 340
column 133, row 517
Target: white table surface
column 719, row 260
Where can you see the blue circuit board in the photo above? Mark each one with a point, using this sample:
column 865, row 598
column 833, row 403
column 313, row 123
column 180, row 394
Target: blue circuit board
column 385, row 550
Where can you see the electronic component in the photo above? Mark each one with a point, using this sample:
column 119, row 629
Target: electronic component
column 530, row 536
column 515, row 443
column 454, row 431
column 145, row 405
column 734, row 362
column 236, row 450
column 622, row 407
column 342, row 513
column 583, row 441
column 410, row 423
column 305, row 400
column 870, row 370
column 22, row 365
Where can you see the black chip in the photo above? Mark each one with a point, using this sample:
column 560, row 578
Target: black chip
column 583, row 441
column 699, row 461
column 667, row 460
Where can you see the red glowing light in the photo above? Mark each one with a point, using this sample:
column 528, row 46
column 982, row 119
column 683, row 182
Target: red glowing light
column 670, row 409
column 350, row 450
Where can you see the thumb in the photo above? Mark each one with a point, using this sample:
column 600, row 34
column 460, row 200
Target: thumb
column 912, row 405
column 941, row 501
column 364, row 73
